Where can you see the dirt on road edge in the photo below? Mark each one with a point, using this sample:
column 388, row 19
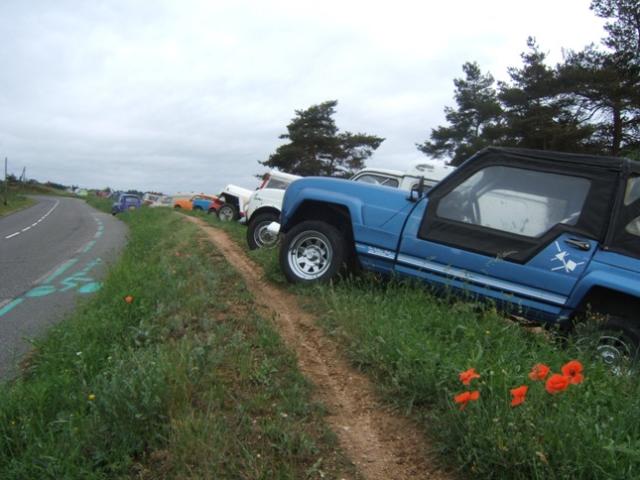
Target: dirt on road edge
column 381, row 444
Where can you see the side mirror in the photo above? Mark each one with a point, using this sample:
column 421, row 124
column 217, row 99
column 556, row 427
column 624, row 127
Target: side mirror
column 417, row 191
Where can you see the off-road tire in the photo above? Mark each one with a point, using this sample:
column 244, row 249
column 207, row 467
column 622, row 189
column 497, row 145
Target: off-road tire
column 619, row 341
column 312, row 251
column 257, row 223
column 223, row 216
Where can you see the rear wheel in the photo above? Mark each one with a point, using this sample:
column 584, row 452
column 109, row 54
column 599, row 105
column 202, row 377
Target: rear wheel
column 257, row 234
column 312, row 251
column 618, row 343
column 227, row 213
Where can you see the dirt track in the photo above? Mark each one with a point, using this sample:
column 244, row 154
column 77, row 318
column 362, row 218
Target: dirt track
column 382, row 445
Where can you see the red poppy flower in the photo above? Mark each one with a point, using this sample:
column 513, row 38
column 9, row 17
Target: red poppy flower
column 467, row 376
column 519, row 394
column 573, row 370
column 556, row 383
column 128, row 299
column 539, row 371
column 466, row 397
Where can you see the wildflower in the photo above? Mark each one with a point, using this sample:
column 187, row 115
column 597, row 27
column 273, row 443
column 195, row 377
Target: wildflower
column 128, row 299
column 467, row 376
column 91, row 397
column 573, row 370
column 466, row 397
column 556, row 383
column 539, row 371
column 518, row 395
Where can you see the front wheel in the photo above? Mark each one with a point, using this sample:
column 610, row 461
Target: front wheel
column 257, row 234
column 227, row 213
column 312, row 251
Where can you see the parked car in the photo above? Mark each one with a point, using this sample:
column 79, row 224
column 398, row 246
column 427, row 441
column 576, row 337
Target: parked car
column 164, row 201
column 263, row 207
column 150, row 198
column 431, row 172
column 203, row 202
column 231, row 203
column 125, row 202
column 200, row 202
column 548, row 236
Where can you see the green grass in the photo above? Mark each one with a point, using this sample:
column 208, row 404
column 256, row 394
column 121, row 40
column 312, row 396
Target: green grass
column 414, row 345
column 15, row 201
column 187, row 381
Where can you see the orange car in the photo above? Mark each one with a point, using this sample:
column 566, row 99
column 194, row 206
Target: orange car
column 197, row 202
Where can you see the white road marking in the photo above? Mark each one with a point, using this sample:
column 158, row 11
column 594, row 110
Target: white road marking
column 36, row 223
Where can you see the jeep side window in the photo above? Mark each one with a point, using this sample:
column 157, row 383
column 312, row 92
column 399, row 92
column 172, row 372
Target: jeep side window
column 516, row 200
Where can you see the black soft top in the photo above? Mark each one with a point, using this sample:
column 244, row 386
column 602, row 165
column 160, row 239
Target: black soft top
column 576, row 159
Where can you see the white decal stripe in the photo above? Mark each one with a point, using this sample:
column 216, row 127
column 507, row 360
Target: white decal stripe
column 483, row 280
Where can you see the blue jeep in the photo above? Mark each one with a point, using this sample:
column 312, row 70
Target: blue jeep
column 125, row 202
column 544, row 235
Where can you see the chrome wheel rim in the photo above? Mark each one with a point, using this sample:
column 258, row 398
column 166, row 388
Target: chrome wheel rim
column 225, row 214
column 263, row 237
column 613, row 351
column 310, row 255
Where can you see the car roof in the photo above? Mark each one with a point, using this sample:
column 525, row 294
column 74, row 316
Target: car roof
column 384, row 171
column 277, row 174
column 599, row 161
column 431, row 170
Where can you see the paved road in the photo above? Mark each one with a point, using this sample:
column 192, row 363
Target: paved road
column 51, row 254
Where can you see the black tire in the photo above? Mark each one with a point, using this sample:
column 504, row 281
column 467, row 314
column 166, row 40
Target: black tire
column 311, row 252
column 256, row 237
column 177, row 207
column 228, row 213
column 196, row 209
column 618, row 342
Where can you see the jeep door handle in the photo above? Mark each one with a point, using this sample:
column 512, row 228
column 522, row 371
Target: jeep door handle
column 581, row 244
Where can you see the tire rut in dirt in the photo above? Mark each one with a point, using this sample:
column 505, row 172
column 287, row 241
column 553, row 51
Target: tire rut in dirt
column 381, row 444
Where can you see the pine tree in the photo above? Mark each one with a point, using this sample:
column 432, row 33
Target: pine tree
column 473, row 124
column 535, row 114
column 316, row 147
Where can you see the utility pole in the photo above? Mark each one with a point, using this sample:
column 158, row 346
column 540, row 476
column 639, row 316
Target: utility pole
column 6, row 181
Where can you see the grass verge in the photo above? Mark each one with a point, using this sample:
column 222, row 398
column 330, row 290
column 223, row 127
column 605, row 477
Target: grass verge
column 185, row 381
column 15, row 201
column 414, row 345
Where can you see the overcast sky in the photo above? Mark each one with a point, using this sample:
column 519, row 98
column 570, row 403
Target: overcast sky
column 188, row 95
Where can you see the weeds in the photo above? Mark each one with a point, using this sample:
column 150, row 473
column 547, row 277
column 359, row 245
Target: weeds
column 415, row 345
column 167, row 372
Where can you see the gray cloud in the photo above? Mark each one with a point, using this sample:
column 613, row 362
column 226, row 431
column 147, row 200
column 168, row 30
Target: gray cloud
column 189, row 95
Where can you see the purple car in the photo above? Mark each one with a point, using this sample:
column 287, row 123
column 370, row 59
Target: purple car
column 125, row 202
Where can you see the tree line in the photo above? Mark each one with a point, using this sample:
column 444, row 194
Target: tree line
column 588, row 103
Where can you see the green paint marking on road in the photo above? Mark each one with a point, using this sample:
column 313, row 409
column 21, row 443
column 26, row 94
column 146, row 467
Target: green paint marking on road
column 10, row 306
column 90, row 287
column 63, row 268
column 40, row 291
column 88, row 246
